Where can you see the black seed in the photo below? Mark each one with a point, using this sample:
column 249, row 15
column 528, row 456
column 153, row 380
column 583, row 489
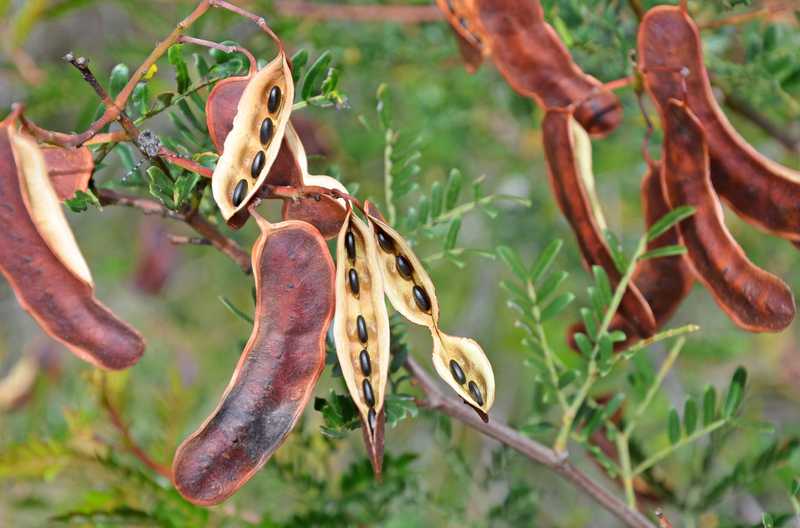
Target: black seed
column 239, row 192
column 352, row 277
column 386, row 243
column 369, row 396
column 361, row 328
column 372, row 418
column 404, row 267
column 421, row 298
column 350, row 245
column 458, row 374
column 267, row 128
column 475, row 392
column 258, row 164
column 274, row 99
column 366, row 364
column 463, row 23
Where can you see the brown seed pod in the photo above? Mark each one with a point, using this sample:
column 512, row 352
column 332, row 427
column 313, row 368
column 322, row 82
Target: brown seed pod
column 277, row 370
column 251, row 146
column 70, row 169
column 44, row 266
column 459, row 361
column 759, row 190
column 359, row 297
column 568, row 152
column 754, row 299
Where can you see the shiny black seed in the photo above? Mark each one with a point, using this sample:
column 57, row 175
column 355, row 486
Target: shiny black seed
column 366, row 364
column 258, row 164
column 350, row 245
column 404, row 267
column 352, row 278
column 274, row 99
column 463, row 23
column 372, row 418
column 421, row 298
column 239, row 192
column 369, row 396
column 361, row 328
column 267, row 128
column 458, row 374
column 386, row 243
column 475, row 392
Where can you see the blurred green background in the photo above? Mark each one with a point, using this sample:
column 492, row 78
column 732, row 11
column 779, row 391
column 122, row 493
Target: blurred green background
column 474, row 123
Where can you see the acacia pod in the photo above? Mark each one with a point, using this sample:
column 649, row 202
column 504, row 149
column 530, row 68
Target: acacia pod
column 762, row 192
column 529, row 54
column 277, row 371
column 44, row 266
column 470, row 46
column 248, row 152
column 459, row 361
column 568, row 153
column 364, row 363
column 753, row 298
column 69, row 169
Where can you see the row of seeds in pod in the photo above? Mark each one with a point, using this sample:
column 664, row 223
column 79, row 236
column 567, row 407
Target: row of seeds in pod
column 265, row 133
column 364, row 362
column 423, row 302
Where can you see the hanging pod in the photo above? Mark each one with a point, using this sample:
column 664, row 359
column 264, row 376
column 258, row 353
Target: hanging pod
column 361, row 329
column 459, row 361
column 277, row 371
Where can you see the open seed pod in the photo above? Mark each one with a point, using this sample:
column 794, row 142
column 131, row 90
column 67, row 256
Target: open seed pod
column 459, row 361
column 251, row 146
column 277, row 371
column 44, row 266
column 361, row 329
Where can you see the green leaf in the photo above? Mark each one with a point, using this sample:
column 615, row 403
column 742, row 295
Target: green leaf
column 673, row 427
column 545, row 259
column 617, row 253
column 613, row 405
column 454, row 183
column 583, row 343
column 339, row 413
column 234, row 310
column 603, row 285
column 668, row 221
column 709, row 405
column 589, row 321
column 399, row 407
column 140, row 98
column 566, row 378
column 119, row 78
column 384, row 111
column 299, row 61
column 184, row 186
column 452, row 234
column 690, row 416
column 175, row 57
column 735, row 392
column 558, row 305
column 423, row 210
column 767, row 521
column 160, row 186
column 315, row 73
column 551, row 285
column 512, row 260
column 82, row 200
column 330, row 83
column 437, row 200
column 665, row 251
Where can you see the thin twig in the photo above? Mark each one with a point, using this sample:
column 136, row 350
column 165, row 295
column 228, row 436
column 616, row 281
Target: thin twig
column 359, row 13
column 183, row 240
column 768, row 13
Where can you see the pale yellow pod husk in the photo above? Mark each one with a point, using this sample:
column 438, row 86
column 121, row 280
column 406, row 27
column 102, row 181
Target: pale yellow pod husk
column 472, row 361
column 299, row 152
column 243, row 143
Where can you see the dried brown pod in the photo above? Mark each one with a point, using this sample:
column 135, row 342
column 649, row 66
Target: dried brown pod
column 459, row 361
column 277, row 371
column 568, row 152
column 361, row 329
column 70, row 169
column 759, row 190
column 44, row 266
column 753, row 298
column 529, row 54
column 470, row 46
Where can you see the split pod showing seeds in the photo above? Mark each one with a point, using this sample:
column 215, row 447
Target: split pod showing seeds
column 361, row 329
column 754, row 299
column 277, row 370
column 44, row 266
column 459, row 361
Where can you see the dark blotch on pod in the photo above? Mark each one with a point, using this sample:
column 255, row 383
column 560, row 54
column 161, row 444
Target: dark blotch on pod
column 258, row 164
column 385, row 241
column 421, row 298
column 404, row 267
column 369, row 396
column 350, row 245
column 458, row 374
column 475, row 392
column 361, row 328
column 364, row 362
column 274, row 99
column 352, row 278
column 267, row 128
column 372, row 418
column 239, row 192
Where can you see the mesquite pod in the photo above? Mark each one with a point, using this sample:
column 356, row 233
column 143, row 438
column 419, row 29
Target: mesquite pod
column 44, row 266
column 753, row 298
column 277, row 370
column 361, row 329
column 762, row 192
column 459, row 361
column 568, row 153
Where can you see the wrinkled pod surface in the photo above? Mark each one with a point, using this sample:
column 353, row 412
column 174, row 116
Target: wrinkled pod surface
column 277, row 371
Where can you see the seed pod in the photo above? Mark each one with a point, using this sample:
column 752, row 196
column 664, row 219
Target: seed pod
column 762, row 192
column 69, row 169
column 44, row 266
column 415, row 299
column 244, row 157
column 754, row 299
column 568, row 152
column 459, row 14
column 362, row 364
column 277, row 370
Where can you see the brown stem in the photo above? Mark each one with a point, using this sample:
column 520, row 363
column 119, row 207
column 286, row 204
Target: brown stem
column 181, row 240
column 636, row 6
column 359, row 13
column 438, row 401
column 768, row 12
column 222, row 47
